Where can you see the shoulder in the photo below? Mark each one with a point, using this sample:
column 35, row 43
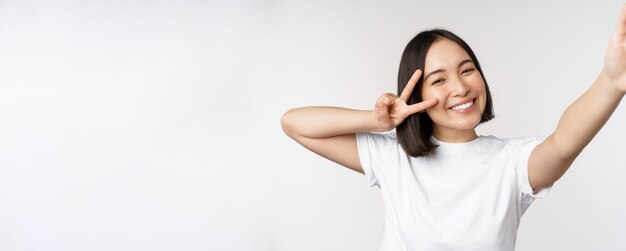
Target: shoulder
column 493, row 140
column 510, row 145
column 379, row 137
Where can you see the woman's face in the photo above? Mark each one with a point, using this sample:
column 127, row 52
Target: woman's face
column 452, row 78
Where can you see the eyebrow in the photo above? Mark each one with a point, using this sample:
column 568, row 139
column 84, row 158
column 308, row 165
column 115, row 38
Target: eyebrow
column 441, row 70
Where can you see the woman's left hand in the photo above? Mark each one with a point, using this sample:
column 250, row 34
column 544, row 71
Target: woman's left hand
column 615, row 58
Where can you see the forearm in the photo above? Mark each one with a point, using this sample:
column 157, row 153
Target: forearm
column 582, row 120
column 325, row 121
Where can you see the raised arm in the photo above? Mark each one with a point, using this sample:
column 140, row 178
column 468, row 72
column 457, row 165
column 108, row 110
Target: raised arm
column 330, row 131
column 582, row 120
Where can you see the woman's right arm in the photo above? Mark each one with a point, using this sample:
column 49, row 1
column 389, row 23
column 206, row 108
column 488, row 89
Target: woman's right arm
column 331, row 131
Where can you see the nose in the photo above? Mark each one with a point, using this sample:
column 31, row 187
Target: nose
column 459, row 88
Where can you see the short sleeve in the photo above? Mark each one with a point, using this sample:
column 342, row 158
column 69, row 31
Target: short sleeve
column 377, row 150
column 366, row 148
column 526, row 146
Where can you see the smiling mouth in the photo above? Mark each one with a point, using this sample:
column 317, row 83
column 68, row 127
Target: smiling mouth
column 462, row 107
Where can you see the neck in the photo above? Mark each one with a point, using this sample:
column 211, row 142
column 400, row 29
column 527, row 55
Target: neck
column 454, row 136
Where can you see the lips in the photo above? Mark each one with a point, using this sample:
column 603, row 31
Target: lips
column 463, row 105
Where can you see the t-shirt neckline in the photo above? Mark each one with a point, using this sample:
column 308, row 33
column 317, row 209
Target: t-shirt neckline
column 457, row 148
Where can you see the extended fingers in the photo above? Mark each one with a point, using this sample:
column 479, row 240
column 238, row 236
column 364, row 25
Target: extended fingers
column 421, row 106
column 408, row 89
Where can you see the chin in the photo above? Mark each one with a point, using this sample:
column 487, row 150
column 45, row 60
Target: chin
column 458, row 123
column 468, row 125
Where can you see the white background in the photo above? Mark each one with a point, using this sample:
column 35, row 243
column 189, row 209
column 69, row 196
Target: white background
column 154, row 125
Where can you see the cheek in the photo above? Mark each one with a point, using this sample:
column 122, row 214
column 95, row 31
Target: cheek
column 483, row 102
column 426, row 95
column 434, row 110
column 478, row 84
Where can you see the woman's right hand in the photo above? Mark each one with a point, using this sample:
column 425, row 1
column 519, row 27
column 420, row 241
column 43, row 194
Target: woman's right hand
column 391, row 110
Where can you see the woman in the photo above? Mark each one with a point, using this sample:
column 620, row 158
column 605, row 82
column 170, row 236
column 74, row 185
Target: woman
column 445, row 187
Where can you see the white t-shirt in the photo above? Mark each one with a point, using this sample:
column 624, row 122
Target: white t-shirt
column 462, row 196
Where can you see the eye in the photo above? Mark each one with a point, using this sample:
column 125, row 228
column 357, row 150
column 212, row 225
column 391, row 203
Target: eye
column 438, row 81
column 468, row 70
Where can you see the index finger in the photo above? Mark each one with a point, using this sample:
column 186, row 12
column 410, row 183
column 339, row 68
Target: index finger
column 408, row 89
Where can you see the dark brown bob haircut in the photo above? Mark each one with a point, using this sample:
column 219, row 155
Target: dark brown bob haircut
column 415, row 132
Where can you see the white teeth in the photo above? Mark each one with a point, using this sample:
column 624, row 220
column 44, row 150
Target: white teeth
column 463, row 106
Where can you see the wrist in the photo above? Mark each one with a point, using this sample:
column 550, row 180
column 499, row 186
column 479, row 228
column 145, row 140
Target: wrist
column 372, row 122
column 612, row 85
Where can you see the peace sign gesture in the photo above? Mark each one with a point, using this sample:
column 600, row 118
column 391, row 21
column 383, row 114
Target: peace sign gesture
column 391, row 110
